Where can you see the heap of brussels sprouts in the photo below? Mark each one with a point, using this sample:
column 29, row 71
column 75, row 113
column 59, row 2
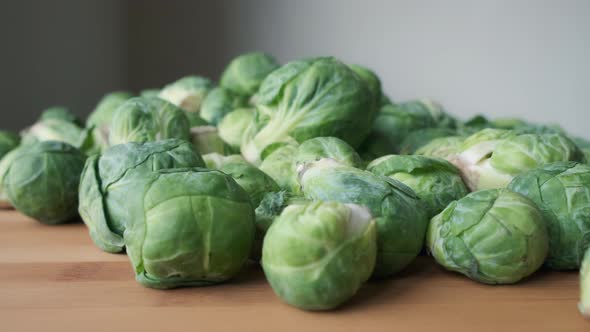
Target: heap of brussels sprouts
column 311, row 170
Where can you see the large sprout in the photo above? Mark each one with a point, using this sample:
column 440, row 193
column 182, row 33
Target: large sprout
column 395, row 122
column 283, row 163
column 143, row 119
column 435, row 181
column 234, row 126
column 317, row 255
column 562, row 192
column 491, row 158
column 218, row 103
column 307, row 99
column 41, row 180
column 194, row 227
column 244, row 74
column 400, row 216
column 493, row 236
column 111, row 185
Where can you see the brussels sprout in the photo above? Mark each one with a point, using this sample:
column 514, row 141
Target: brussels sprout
column 317, row 255
column 307, row 99
column 55, row 129
column 421, row 137
column 372, row 81
column 244, row 74
column 490, row 158
column 195, row 228
column 218, row 103
column 215, row 160
column 282, row 164
column 101, row 117
column 562, row 192
column 400, row 216
column 41, row 180
column 206, row 139
column 61, row 113
column 111, row 184
column 443, row 147
column 395, row 122
column 149, row 93
column 493, row 236
column 435, row 181
column 142, row 119
column 8, row 141
column 187, row 93
column 584, row 304
column 234, row 126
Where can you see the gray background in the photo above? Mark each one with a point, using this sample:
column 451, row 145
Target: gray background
column 504, row 58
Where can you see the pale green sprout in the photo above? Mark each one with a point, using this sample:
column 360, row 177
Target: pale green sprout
column 220, row 102
column 206, row 139
column 244, row 74
column 187, row 93
column 443, row 147
column 317, row 255
column 491, row 158
column 492, row 236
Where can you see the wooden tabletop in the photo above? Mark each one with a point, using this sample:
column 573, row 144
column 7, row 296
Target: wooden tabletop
column 52, row 278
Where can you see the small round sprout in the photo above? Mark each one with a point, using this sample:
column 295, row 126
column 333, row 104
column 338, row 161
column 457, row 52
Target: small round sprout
column 244, row 74
column 491, row 158
column 317, row 255
column 216, row 160
column 493, row 236
column 279, row 165
column 111, row 183
column 220, row 102
column 254, row 181
column 41, row 180
column 195, row 227
column 436, row 181
column 142, row 119
column 101, row 117
column 187, row 93
column 306, row 99
column 400, row 216
column 562, row 192
column 584, row 304
column 234, row 126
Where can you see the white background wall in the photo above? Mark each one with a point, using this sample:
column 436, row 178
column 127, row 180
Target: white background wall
column 505, row 58
column 520, row 58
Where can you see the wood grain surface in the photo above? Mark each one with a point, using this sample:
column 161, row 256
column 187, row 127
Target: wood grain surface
column 52, row 278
